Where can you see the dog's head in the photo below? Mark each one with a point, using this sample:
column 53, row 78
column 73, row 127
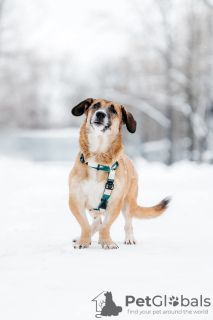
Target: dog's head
column 108, row 295
column 104, row 115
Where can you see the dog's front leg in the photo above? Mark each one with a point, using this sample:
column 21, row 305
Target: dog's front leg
column 112, row 213
column 80, row 215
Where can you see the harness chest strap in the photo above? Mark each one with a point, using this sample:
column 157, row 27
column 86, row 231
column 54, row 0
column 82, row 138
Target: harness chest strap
column 109, row 184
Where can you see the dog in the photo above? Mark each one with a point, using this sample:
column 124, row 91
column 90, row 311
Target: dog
column 103, row 179
column 110, row 308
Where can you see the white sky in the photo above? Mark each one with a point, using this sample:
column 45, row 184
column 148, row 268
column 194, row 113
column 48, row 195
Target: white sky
column 88, row 30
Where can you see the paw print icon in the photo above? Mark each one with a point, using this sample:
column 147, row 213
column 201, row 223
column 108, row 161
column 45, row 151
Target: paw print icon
column 173, row 301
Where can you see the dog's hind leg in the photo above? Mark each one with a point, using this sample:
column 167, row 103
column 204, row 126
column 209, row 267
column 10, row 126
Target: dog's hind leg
column 95, row 225
column 129, row 235
column 129, row 206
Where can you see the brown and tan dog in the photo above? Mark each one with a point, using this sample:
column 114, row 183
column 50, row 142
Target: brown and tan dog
column 101, row 143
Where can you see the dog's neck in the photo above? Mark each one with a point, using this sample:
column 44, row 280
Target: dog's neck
column 103, row 148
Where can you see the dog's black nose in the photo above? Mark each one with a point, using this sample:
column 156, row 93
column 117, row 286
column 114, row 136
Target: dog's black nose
column 100, row 115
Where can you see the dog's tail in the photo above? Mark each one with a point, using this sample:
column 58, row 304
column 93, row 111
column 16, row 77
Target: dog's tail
column 152, row 212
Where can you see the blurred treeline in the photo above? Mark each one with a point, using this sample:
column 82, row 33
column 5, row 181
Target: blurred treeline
column 165, row 78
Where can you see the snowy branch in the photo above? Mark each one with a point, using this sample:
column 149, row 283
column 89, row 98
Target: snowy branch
column 208, row 3
column 142, row 106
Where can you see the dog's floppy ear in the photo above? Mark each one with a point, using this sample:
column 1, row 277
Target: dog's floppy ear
column 128, row 119
column 82, row 107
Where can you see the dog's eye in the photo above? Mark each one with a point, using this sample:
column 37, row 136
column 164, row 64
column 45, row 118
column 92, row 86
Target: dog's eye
column 96, row 106
column 112, row 109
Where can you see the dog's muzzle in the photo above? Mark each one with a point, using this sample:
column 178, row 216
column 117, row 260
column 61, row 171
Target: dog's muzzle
column 100, row 115
column 100, row 119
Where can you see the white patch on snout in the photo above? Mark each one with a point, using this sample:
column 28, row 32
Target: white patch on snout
column 98, row 138
column 99, row 127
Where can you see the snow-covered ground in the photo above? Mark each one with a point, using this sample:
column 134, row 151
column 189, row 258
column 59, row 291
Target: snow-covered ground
column 43, row 277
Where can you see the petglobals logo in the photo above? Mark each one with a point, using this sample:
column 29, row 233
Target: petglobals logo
column 164, row 301
column 105, row 305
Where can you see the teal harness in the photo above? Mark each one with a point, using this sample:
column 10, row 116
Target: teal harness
column 109, row 186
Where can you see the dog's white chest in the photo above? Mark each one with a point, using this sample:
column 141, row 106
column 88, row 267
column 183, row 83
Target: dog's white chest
column 93, row 190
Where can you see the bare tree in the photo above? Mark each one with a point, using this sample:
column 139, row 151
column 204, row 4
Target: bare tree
column 101, row 304
column 165, row 7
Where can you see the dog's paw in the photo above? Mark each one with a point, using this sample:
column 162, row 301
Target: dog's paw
column 109, row 245
column 81, row 244
column 130, row 240
column 74, row 240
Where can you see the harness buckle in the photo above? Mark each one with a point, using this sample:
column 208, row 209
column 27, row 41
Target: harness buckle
column 82, row 158
column 103, row 204
column 109, row 185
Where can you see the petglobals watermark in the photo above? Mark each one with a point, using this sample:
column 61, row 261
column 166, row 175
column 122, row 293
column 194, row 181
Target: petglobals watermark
column 164, row 301
column 167, row 305
column 105, row 305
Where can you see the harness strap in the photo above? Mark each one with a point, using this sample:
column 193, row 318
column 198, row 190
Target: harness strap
column 109, row 186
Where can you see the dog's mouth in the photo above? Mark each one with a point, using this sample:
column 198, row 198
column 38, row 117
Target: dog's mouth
column 98, row 123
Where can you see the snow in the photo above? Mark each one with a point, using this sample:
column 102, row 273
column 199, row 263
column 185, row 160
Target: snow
column 43, row 277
